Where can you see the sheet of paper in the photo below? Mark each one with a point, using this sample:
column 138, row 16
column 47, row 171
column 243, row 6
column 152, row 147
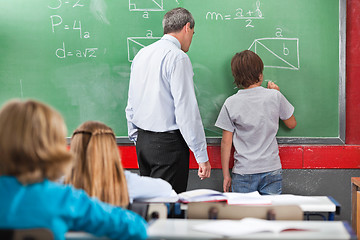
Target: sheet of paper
column 231, row 228
column 201, row 195
column 253, row 198
column 170, row 199
column 290, row 199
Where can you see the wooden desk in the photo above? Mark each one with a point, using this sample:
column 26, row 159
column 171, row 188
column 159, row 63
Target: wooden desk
column 355, row 204
column 176, row 229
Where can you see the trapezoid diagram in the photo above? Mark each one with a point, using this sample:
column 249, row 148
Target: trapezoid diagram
column 278, row 52
column 146, row 5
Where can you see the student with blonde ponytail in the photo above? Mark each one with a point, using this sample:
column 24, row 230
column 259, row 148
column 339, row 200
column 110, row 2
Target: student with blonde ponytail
column 98, row 170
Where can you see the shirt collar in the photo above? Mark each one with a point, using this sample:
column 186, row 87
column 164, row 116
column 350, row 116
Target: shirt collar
column 251, row 89
column 172, row 39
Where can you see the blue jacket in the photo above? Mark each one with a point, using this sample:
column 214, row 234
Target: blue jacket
column 61, row 208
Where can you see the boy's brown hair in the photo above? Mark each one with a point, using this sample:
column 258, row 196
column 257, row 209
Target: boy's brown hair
column 246, row 67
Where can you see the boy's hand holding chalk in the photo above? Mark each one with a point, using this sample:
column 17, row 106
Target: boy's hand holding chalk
column 272, row 85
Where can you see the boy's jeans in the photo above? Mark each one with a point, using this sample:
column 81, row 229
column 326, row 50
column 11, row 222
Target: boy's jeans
column 265, row 183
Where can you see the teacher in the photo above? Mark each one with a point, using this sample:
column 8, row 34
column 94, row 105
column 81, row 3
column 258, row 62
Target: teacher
column 162, row 111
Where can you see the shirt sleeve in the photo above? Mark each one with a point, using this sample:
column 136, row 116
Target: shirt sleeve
column 129, row 112
column 102, row 219
column 187, row 112
column 146, row 187
column 132, row 129
column 224, row 121
column 286, row 109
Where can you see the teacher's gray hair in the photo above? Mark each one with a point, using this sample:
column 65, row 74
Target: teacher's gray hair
column 175, row 19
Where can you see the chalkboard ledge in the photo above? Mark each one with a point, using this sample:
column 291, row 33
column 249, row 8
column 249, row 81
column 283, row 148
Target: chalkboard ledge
column 124, row 141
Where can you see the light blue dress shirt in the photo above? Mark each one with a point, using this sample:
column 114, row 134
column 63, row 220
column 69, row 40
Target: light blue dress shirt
column 162, row 97
column 61, row 208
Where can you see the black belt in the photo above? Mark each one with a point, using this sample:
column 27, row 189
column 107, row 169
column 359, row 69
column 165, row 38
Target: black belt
column 171, row 131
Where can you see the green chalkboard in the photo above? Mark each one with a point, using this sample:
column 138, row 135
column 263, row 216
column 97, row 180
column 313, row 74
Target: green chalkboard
column 76, row 55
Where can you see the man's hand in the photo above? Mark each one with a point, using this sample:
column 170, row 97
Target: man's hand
column 204, row 170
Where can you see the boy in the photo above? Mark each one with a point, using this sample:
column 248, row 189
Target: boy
column 250, row 121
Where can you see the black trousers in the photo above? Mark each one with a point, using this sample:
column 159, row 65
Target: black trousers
column 164, row 155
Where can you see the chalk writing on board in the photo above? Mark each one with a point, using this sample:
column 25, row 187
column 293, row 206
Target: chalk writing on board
column 240, row 14
column 57, row 24
column 56, row 4
column 86, row 53
column 278, row 52
column 134, row 44
column 56, row 21
column 146, row 5
column 249, row 14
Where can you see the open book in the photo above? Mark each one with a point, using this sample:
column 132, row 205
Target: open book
column 209, row 195
column 232, row 228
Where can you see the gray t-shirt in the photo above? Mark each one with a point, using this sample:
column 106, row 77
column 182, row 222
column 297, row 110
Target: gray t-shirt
column 252, row 115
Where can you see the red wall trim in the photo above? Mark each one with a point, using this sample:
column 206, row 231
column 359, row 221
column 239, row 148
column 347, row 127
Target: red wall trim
column 352, row 72
column 332, row 156
column 292, row 157
column 128, row 156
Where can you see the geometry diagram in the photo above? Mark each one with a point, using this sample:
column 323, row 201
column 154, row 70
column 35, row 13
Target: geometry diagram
column 278, row 52
column 134, row 44
column 146, row 5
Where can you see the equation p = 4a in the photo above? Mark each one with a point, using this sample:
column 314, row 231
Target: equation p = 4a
column 86, row 53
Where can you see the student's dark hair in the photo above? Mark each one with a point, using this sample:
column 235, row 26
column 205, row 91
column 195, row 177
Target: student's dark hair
column 176, row 19
column 246, row 67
